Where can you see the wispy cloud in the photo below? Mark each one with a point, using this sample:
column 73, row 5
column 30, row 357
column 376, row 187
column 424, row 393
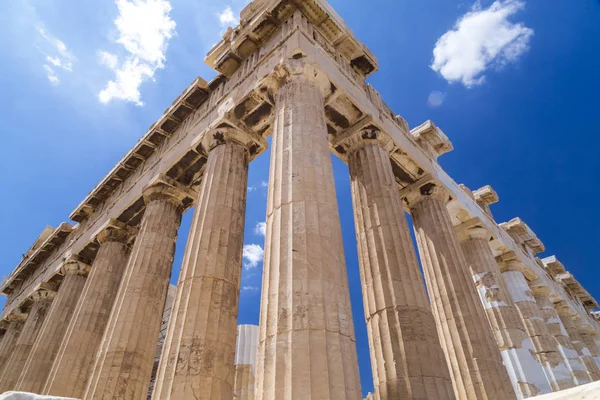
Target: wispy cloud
column 261, row 229
column 250, row 288
column 145, row 28
column 253, row 255
column 480, row 39
column 57, row 55
column 228, row 18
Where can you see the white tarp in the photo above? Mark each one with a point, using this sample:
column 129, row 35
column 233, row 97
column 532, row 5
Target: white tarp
column 29, row 396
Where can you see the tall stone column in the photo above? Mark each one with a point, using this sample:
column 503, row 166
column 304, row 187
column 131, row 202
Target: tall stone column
column 471, row 352
column 577, row 341
column 47, row 343
column 525, row 371
column 590, row 342
column 123, row 367
column 7, row 344
column 546, row 347
column 42, row 299
column 565, row 347
column 75, row 358
column 199, row 350
column 307, row 348
column 406, row 355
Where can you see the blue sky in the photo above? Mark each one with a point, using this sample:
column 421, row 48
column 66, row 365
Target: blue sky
column 514, row 84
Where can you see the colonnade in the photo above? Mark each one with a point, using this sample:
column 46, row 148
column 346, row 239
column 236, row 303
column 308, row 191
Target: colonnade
column 472, row 328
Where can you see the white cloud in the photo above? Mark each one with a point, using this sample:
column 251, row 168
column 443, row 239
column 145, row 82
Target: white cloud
column 145, row 28
column 57, row 55
column 253, row 254
column 264, row 184
column 250, row 289
column 261, row 229
column 251, row 189
column 480, row 39
column 228, row 18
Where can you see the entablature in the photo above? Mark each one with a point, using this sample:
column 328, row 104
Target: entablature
column 523, row 234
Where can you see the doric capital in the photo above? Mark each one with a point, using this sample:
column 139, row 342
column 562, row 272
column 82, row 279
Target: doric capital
column 296, row 71
column 431, row 190
column 164, row 188
column 116, row 231
column 16, row 315
column 73, row 266
column 474, row 233
column 432, row 139
column 227, row 132
column 363, row 132
column 523, row 235
column 43, row 294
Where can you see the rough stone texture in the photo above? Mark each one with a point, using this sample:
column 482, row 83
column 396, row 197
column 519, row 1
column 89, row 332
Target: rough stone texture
column 578, row 344
column 75, row 358
column 546, row 347
column 123, row 367
column 468, row 342
column 7, row 344
column 406, row 356
column 525, row 371
column 245, row 362
column 42, row 300
column 590, row 391
column 565, row 347
column 199, row 352
column 307, row 348
column 589, row 341
column 38, row 365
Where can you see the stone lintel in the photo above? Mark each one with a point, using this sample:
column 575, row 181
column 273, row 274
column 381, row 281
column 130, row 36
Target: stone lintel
column 523, row 234
column 575, row 288
column 432, row 139
column 486, row 195
column 262, row 19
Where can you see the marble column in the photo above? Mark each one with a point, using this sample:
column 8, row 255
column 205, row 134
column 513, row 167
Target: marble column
column 469, row 345
column 546, row 347
column 406, row 355
column 75, row 358
column 307, row 348
column 565, row 347
column 525, row 371
column 123, row 367
column 42, row 299
column 38, row 365
column 13, row 329
column 199, row 350
column 578, row 344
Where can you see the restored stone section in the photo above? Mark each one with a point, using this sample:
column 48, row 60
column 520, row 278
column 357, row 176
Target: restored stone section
column 42, row 299
column 245, row 362
column 199, row 350
column 590, row 342
column 582, row 349
column 123, row 367
column 546, row 347
column 406, row 356
column 48, row 341
column 565, row 347
column 75, row 358
column 307, row 348
column 471, row 352
column 525, row 371
column 8, row 341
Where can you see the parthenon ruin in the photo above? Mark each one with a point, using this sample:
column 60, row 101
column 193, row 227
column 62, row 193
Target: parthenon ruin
column 485, row 319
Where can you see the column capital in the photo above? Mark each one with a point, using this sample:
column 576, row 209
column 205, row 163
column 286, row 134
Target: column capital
column 73, row 266
column 296, row 70
column 227, row 131
column 523, row 235
column 116, row 231
column 431, row 190
column 16, row 315
column 473, row 233
column 365, row 131
column 164, row 188
column 43, row 294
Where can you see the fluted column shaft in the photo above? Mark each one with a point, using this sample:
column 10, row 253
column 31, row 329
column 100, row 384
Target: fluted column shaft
column 546, row 347
column 47, row 343
column 7, row 344
column 75, row 358
column 199, row 351
column 590, row 343
column 406, row 356
column 244, row 382
column 123, row 367
column 468, row 342
column 307, row 348
column 31, row 328
column 580, row 346
column 525, row 371
column 565, row 347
